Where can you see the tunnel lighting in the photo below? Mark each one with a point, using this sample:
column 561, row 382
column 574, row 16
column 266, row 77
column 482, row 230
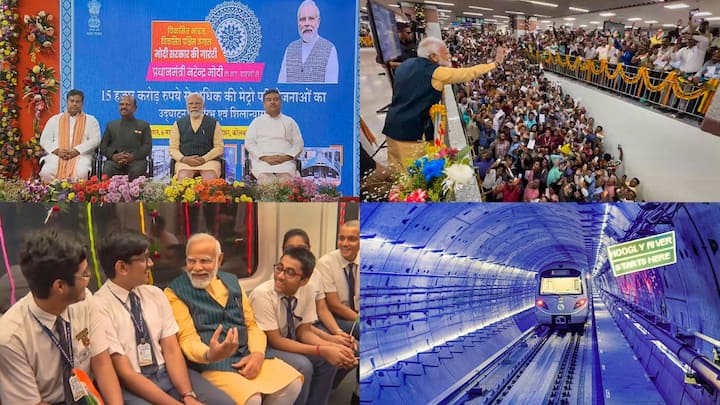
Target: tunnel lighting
column 582, row 10
column 676, row 6
column 480, row 8
column 670, row 355
column 640, row 328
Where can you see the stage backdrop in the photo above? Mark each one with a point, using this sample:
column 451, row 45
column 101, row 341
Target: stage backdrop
column 230, row 52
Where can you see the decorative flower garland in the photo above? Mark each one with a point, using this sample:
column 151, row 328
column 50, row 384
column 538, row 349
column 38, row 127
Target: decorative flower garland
column 9, row 131
column 40, row 33
column 38, row 87
column 39, row 84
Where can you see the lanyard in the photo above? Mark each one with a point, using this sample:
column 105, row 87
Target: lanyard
column 68, row 356
column 139, row 325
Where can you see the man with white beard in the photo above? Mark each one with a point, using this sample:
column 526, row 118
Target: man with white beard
column 218, row 333
column 417, row 86
column 196, row 141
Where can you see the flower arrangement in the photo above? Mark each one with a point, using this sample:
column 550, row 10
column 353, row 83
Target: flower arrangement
column 38, row 87
column 119, row 189
column 297, row 189
column 40, row 32
column 434, row 177
column 9, row 111
column 197, row 190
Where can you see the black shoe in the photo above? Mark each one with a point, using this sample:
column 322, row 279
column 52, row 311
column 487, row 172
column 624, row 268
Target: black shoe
column 355, row 399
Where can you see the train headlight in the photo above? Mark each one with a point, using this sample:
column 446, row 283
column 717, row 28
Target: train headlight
column 580, row 303
column 541, row 304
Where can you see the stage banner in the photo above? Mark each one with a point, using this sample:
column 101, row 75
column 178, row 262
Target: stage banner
column 230, row 52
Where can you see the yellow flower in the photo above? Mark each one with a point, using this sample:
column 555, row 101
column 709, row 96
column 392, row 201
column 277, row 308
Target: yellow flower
column 71, row 196
column 36, row 69
column 64, row 184
column 244, row 198
column 189, row 195
column 237, row 200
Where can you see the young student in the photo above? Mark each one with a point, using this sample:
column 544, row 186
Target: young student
column 54, row 336
column 285, row 309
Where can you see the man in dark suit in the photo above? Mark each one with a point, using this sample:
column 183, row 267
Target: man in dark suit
column 126, row 142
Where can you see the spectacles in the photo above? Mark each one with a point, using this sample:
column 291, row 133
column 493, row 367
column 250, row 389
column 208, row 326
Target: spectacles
column 279, row 268
column 205, row 261
column 145, row 259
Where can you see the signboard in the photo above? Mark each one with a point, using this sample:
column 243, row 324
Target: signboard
column 228, row 51
column 642, row 254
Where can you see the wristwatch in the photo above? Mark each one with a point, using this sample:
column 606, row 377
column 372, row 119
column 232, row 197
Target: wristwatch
column 189, row 394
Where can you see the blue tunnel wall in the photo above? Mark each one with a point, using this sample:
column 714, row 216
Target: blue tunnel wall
column 442, row 283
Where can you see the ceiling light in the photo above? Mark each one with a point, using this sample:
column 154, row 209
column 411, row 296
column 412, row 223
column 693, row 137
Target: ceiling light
column 515, row 12
column 569, row 19
column 471, row 13
column 439, row 3
column 676, row 6
column 607, row 14
column 540, row 3
column 635, row 19
column 490, row 19
column 582, row 25
column 501, row 16
column 702, row 14
column 595, row 22
column 444, row 11
column 651, row 22
column 629, row 26
column 394, row 5
column 480, row 8
column 541, row 16
column 712, row 19
column 582, row 10
column 668, row 25
column 545, row 22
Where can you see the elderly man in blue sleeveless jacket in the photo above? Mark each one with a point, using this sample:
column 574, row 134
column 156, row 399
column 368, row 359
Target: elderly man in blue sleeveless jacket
column 196, row 141
column 418, row 84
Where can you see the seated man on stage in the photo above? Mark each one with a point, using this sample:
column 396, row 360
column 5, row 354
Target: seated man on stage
column 126, row 142
column 273, row 142
column 69, row 140
column 196, row 140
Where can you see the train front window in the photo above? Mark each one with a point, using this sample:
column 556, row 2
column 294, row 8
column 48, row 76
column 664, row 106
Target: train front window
column 560, row 286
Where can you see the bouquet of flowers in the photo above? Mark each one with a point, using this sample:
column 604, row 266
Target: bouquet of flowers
column 435, row 176
column 40, row 32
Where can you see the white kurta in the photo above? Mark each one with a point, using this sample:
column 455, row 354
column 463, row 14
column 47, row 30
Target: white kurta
column 273, row 136
column 49, row 141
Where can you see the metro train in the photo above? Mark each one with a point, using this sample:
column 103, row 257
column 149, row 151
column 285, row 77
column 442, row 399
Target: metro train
column 562, row 298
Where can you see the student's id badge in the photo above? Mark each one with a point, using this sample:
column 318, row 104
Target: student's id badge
column 77, row 388
column 144, row 354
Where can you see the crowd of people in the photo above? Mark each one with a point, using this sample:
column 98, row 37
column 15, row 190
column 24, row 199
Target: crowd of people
column 691, row 48
column 532, row 141
column 203, row 339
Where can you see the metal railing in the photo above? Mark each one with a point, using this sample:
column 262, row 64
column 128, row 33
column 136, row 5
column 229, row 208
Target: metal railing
column 669, row 90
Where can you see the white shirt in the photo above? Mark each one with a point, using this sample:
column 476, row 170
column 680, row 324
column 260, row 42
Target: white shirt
column 690, row 60
column 332, row 269
column 91, row 137
column 271, row 312
column 268, row 135
column 331, row 69
column 156, row 311
column 30, row 363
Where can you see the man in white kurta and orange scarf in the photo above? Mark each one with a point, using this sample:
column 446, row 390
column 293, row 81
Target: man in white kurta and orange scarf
column 69, row 140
